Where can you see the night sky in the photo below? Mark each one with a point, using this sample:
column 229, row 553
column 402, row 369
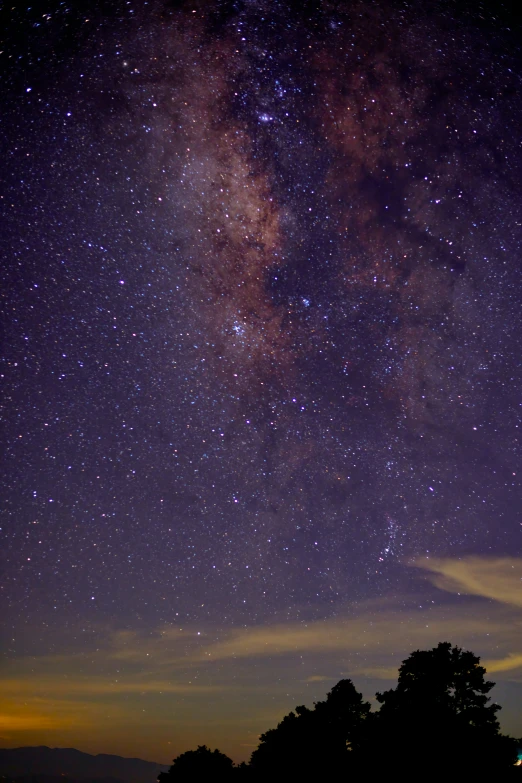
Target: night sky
column 261, row 360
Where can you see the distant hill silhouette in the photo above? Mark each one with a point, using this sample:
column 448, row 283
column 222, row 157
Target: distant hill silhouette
column 54, row 779
column 75, row 765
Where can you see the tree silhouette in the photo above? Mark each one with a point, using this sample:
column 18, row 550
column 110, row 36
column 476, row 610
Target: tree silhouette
column 341, row 723
column 313, row 742
column 195, row 765
column 439, row 714
column 438, row 722
column 286, row 749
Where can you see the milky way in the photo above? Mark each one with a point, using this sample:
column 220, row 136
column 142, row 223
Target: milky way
column 262, row 304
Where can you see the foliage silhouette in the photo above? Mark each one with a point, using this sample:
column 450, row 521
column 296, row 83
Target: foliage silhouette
column 201, row 764
column 440, row 710
column 439, row 717
column 318, row 741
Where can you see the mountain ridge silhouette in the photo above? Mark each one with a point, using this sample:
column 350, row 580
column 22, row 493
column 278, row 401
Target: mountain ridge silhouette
column 75, row 764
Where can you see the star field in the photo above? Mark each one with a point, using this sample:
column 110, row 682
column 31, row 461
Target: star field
column 261, row 316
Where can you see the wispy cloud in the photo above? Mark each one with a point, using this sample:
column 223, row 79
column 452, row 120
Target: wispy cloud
column 70, row 686
column 317, row 678
column 24, row 711
column 497, row 578
column 129, row 672
column 509, row 663
column 494, row 579
column 12, row 722
column 368, row 635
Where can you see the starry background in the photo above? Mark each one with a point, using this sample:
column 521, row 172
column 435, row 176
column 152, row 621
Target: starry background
column 261, row 290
